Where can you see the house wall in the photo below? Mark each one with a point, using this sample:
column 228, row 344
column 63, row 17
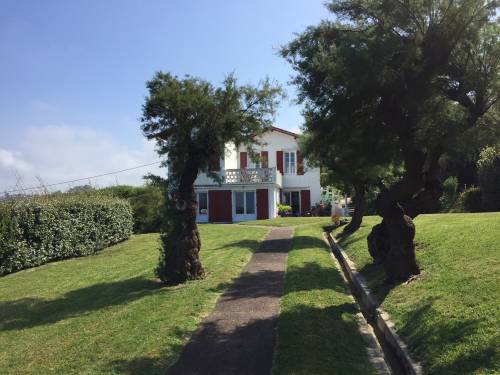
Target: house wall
column 276, row 141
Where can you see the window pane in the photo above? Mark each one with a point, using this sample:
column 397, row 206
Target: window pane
column 202, row 203
column 287, row 162
column 250, row 200
column 292, row 162
column 239, row 202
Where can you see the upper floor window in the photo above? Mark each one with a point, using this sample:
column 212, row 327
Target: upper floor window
column 289, row 162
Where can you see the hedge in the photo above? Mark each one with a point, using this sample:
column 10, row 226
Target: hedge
column 35, row 231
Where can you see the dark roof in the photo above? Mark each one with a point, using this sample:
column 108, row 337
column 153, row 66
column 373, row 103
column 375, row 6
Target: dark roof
column 288, row 132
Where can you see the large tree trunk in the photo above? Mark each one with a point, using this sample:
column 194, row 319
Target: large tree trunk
column 359, row 209
column 391, row 241
column 179, row 258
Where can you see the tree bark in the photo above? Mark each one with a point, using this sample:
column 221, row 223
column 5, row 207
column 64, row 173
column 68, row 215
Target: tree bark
column 359, row 209
column 181, row 244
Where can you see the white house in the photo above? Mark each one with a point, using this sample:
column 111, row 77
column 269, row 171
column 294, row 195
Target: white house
column 251, row 190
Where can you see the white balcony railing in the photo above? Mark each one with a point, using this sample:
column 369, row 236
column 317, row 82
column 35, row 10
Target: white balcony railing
column 252, row 176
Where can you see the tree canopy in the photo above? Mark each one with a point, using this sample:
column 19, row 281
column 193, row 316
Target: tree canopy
column 191, row 121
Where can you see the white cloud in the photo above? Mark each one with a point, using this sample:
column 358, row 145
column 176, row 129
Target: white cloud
column 62, row 153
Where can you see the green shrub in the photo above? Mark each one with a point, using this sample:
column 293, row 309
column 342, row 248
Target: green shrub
column 148, row 205
column 34, row 231
column 450, row 193
column 469, row 200
column 284, row 209
column 488, row 167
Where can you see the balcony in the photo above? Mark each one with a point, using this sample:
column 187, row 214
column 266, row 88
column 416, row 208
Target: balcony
column 252, row 176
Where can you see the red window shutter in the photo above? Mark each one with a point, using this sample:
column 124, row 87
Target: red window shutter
column 214, row 163
column 279, row 161
column 305, row 201
column 264, row 159
column 300, row 163
column 243, row 160
column 262, row 204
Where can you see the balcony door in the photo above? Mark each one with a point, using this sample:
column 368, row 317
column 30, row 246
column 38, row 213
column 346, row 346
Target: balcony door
column 244, row 205
column 292, row 198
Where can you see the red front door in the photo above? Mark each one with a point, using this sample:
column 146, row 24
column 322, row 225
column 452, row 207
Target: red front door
column 220, row 206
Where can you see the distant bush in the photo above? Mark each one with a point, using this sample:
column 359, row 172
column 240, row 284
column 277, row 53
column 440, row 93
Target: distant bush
column 469, row 200
column 284, row 209
column 148, row 205
column 488, row 166
column 450, row 193
column 34, row 231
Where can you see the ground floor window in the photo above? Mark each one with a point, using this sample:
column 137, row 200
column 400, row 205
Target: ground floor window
column 244, row 202
column 292, row 198
column 203, row 203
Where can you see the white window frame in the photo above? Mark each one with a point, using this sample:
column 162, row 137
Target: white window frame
column 294, row 162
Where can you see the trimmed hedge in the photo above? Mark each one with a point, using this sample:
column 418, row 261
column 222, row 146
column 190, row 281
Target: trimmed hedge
column 35, row 231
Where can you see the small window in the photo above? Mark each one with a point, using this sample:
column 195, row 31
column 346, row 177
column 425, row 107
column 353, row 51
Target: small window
column 289, row 162
column 202, row 203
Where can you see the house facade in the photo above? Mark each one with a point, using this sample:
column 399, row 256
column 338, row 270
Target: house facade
column 251, row 189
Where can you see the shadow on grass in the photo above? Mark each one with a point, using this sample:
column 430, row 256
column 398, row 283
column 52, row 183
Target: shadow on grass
column 31, row 312
column 434, row 337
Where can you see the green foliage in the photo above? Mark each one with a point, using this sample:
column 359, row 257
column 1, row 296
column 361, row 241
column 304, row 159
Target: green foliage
column 489, row 178
column 148, row 204
column 392, row 84
column 34, row 231
column 450, row 193
column 191, row 121
column 469, row 200
column 284, row 209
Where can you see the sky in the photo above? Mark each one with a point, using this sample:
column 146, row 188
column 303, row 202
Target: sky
column 73, row 73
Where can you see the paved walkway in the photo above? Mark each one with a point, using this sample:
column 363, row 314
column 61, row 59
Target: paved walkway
column 239, row 336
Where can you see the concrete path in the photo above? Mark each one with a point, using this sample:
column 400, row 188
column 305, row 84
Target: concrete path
column 239, row 336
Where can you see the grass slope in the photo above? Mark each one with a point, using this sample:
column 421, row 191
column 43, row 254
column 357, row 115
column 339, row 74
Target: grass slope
column 106, row 314
column 449, row 317
column 318, row 332
column 288, row 221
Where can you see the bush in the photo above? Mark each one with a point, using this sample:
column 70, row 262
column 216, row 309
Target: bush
column 148, row 205
column 34, row 231
column 488, row 167
column 284, row 209
column 469, row 200
column 450, row 193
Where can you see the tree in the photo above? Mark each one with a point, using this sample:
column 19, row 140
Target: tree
column 422, row 73
column 191, row 121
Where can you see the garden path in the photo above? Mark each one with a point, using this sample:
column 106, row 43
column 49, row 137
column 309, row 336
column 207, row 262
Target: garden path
column 239, row 336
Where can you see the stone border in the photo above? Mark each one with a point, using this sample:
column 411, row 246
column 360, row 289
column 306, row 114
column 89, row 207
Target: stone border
column 395, row 350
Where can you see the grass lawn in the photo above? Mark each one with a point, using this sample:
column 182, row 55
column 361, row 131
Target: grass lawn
column 106, row 314
column 318, row 332
column 288, row 221
column 449, row 317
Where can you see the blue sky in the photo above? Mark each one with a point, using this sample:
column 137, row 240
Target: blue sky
column 73, row 74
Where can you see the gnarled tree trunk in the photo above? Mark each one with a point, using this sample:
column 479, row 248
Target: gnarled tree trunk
column 179, row 258
column 391, row 242
column 359, row 209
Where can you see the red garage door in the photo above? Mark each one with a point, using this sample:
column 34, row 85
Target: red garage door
column 220, row 206
column 262, row 204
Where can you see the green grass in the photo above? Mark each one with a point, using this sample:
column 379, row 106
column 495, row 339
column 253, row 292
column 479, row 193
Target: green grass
column 450, row 316
column 318, row 332
column 288, row 221
column 106, row 314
